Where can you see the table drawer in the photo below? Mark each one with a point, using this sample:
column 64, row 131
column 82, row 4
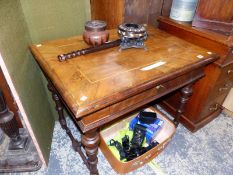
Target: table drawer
column 157, row 91
column 114, row 111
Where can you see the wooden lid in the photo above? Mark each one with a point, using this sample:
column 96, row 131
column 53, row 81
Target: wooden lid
column 95, row 25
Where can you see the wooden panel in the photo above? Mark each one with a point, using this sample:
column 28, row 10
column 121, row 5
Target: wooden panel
column 154, row 12
column 229, row 56
column 226, row 72
column 111, row 11
column 166, row 7
column 143, row 11
column 213, row 41
column 115, row 12
column 216, row 10
column 215, row 15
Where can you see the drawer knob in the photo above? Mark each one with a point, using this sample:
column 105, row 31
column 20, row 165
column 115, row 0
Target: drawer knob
column 223, row 89
column 230, row 71
column 159, row 87
column 226, row 87
column 214, row 107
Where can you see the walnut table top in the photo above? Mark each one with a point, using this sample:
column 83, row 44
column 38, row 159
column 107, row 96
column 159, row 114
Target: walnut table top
column 91, row 82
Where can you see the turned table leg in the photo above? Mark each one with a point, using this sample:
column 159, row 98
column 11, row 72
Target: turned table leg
column 90, row 141
column 186, row 92
column 59, row 107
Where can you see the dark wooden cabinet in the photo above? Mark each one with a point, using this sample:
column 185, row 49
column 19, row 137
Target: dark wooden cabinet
column 215, row 15
column 210, row 91
column 115, row 12
column 8, row 98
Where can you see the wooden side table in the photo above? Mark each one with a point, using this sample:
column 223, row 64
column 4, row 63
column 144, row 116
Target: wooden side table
column 100, row 87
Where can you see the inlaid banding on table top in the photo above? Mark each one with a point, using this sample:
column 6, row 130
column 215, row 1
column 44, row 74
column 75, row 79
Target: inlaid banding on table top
column 120, row 70
column 110, row 65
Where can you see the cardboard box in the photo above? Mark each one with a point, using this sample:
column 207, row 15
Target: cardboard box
column 163, row 136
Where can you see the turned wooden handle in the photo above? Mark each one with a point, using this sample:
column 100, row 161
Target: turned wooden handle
column 214, row 107
column 85, row 51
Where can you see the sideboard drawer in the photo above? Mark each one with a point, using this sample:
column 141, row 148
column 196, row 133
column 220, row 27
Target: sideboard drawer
column 221, row 88
column 226, row 72
column 212, row 106
column 151, row 94
column 229, row 56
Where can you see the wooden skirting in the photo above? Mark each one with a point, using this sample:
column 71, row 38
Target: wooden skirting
column 228, row 104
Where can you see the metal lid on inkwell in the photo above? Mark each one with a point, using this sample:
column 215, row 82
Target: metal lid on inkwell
column 132, row 30
column 132, row 35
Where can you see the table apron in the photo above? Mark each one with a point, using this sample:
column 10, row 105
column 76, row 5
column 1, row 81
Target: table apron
column 114, row 111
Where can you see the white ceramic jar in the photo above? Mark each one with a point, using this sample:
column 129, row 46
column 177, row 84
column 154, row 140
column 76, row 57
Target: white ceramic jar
column 183, row 10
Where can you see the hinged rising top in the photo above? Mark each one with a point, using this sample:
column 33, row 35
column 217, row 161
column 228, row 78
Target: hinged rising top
column 91, row 82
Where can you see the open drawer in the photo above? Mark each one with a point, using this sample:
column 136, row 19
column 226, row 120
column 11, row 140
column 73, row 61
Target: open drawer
column 163, row 137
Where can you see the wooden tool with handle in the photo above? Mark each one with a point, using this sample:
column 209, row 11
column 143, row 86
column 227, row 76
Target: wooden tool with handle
column 85, row 51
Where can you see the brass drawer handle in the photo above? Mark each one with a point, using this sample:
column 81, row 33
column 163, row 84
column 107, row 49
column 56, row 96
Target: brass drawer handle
column 226, row 87
column 159, row 87
column 223, row 89
column 230, row 71
column 214, row 107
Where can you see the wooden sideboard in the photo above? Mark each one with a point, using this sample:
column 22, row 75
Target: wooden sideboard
column 209, row 92
column 215, row 15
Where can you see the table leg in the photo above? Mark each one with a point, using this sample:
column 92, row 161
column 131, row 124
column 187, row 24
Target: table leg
column 186, row 92
column 59, row 107
column 90, row 141
column 62, row 120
